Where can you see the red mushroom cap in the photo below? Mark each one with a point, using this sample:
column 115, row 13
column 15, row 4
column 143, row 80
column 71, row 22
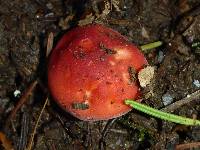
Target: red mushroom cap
column 92, row 71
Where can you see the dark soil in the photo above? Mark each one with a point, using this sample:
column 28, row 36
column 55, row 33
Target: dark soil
column 24, row 29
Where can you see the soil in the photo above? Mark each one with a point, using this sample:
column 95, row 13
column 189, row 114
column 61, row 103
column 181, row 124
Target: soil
column 24, row 30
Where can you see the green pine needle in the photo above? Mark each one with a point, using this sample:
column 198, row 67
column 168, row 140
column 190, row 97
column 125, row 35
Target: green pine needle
column 151, row 46
column 162, row 115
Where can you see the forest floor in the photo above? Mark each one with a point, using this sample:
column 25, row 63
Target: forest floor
column 25, row 27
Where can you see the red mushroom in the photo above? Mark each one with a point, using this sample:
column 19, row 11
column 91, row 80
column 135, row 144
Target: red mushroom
column 92, row 71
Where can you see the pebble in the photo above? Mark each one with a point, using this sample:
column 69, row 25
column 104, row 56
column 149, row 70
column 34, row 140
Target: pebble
column 160, row 56
column 196, row 83
column 167, row 99
column 17, row 93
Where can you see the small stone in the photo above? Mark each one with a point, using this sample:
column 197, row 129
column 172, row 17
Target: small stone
column 160, row 56
column 144, row 33
column 196, row 83
column 17, row 93
column 167, row 99
column 188, row 96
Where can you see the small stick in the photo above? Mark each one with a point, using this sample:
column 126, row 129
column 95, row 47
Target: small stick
column 188, row 146
column 186, row 100
column 21, row 101
column 123, row 22
column 30, row 143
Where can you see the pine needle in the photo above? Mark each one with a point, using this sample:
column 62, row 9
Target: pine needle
column 30, row 144
column 162, row 115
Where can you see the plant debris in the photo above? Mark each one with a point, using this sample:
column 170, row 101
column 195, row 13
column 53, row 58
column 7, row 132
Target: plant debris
column 5, row 142
column 132, row 74
column 81, row 106
column 27, row 32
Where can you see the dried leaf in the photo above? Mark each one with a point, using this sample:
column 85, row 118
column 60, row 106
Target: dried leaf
column 5, row 142
column 64, row 23
column 87, row 20
column 115, row 4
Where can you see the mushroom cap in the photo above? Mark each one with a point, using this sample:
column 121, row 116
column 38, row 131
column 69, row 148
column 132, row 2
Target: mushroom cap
column 92, row 71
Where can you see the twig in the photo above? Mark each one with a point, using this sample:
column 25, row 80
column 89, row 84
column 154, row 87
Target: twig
column 123, row 22
column 36, row 125
column 192, row 97
column 24, row 131
column 21, row 101
column 119, row 131
column 188, row 146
